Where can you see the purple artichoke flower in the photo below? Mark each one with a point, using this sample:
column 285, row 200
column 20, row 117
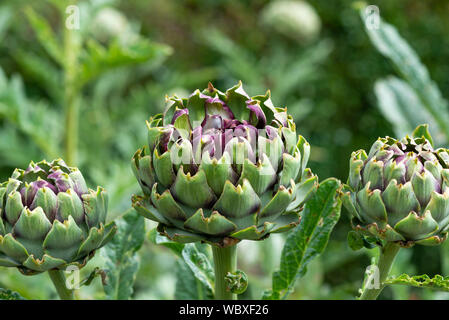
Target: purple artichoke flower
column 49, row 218
column 222, row 166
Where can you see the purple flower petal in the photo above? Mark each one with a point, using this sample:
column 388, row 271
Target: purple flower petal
column 216, row 106
column 257, row 117
column 61, row 180
column 271, row 132
column 28, row 193
column 231, row 124
column 179, row 113
column 212, row 122
column 165, row 139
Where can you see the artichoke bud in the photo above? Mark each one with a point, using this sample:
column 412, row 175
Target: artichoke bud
column 45, row 224
column 399, row 191
column 225, row 165
column 236, row 282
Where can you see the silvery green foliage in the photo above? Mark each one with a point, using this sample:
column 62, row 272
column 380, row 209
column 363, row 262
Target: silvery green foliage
column 49, row 218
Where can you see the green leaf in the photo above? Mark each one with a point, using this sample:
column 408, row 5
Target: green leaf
column 438, row 282
column 6, row 294
column 308, row 239
column 45, row 35
column 401, row 106
column 6, row 17
column 187, row 286
column 390, row 44
column 122, row 262
column 355, row 240
column 97, row 59
column 36, row 121
column 42, row 71
column 156, row 238
column 195, row 257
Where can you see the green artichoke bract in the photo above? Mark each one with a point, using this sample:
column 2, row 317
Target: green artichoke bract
column 399, row 191
column 49, row 218
column 222, row 167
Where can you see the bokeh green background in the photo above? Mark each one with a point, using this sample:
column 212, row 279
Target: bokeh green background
column 317, row 60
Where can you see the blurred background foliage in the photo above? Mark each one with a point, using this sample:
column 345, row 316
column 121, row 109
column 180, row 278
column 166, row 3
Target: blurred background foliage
column 316, row 58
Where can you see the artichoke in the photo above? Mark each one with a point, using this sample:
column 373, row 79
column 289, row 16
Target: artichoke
column 297, row 20
column 398, row 192
column 49, row 218
column 222, row 167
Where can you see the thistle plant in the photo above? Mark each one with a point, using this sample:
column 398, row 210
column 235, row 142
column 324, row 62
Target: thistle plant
column 221, row 168
column 398, row 196
column 50, row 220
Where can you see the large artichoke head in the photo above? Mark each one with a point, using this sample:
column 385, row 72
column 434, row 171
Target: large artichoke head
column 400, row 191
column 222, row 167
column 50, row 219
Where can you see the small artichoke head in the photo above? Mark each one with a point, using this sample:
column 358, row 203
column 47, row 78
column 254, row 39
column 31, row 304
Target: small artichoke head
column 50, row 219
column 222, row 167
column 399, row 191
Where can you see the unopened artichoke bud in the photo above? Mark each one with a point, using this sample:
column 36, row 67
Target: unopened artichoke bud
column 297, row 20
column 50, row 219
column 221, row 167
column 399, row 191
column 110, row 23
column 236, row 282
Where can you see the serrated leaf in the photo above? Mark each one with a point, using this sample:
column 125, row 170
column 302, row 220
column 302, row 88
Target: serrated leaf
column 121, row 260
column 438, row 282
column 6, row 294
column 390, row 44
column 187, row 286
column 39, row 68
column 156, row 238
column 199, row 264
column 33, row 119
column 97, row 59
column 308, row 239
column 45, row 35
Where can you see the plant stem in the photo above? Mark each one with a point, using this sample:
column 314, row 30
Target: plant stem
column 59, row 281
column 386, row 258
column 225, row 260
column 71, row 90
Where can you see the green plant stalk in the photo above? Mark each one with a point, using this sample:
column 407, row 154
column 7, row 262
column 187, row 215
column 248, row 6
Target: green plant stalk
column 225, row 260
column 59, row 281
column 71, row 91
column 386, row 258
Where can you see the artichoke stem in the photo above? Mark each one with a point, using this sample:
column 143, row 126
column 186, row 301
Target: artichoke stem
column 386, row 258
column 71, row 92
column 225, row 260
column 59, row 281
